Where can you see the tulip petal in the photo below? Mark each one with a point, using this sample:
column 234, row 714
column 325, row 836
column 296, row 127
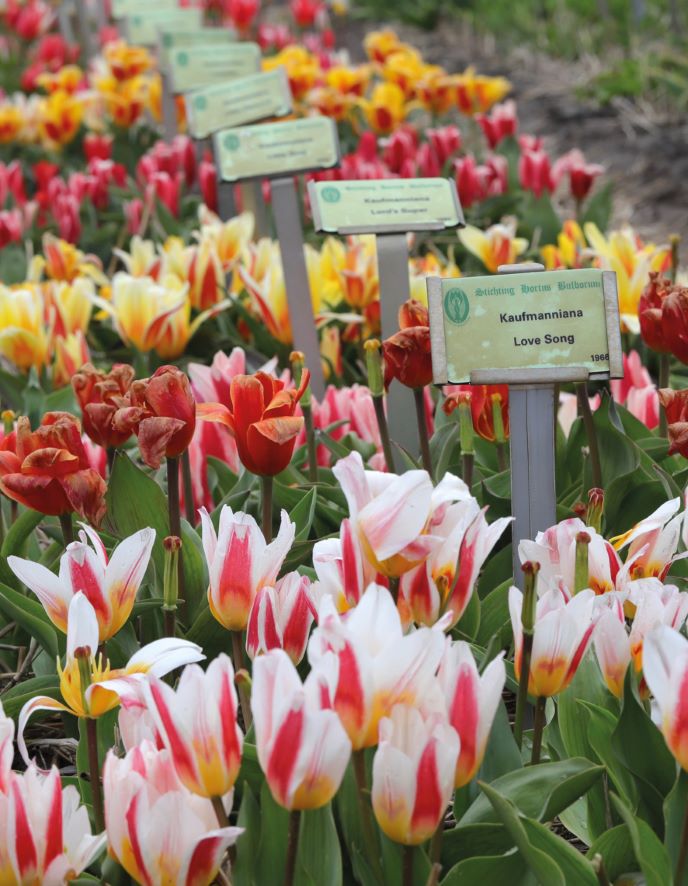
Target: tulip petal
column 162, row 656
column 397, row 517
column 39, row 703
column 125, row 573
column 53, row 594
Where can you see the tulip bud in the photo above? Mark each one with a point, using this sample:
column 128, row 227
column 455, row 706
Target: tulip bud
column 595, row 510
column 530, row 571
column 500, row 436
column 8, row 418
column 581, row 574
column 298, row 362
column 83, row 656
column 172, row 545
column 412, row 313
column 374, row 367
column 466, row 432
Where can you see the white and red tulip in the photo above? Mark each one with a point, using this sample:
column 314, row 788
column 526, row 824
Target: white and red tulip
column 281, row 618
column 6, row 749
column 343, row 572
column 303, row 749
column 472, row 702
column 378, row 666
column 563, row 631
column 105, row 685
column 197, row 724
column 156, row 829
column 110, row 585
column 653, row 542
column 665, row 666
column 240, row 563
column 413, row 774
column 45, row 835
column 611, row 641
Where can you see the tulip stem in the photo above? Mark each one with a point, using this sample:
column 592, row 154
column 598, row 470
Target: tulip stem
column 365, row 813
column 292, row 846
column 175, row 517
column 501, row 457
column 538, row 728
column 436, row 843
column 683, row 852
column 67, row 528
column 238, row 656
column 467, row 459
column 311, row 444
column 220, row 813
column 188, row 488
column 590, row 433
column 379, row 404
column 663, row 382
column 110, row 453
column 408, row 866
column 94, row 773
column 528, row 611
column 266, row 486
column 419, row 398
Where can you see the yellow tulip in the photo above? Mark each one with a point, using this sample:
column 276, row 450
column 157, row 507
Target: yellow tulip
column 229, row 238
column 404, row 68
column 24, row 334
column 348, row 80
column 624, row 252
column 176, row 258
column 124, row 61
column 497, row 246
column 429, row 265
column 380, row 44
column 476, row 93
column 125, row 100
column 11, row 123
column 567, row 252
column 61, row 116
column 73, row 303
column 63, row 261
column 269, row 300
column 436, row 90
column 302, row 67
column 67, row 79
column 331, row 103
column 142, row 260
column 71, row 353
column 386, row 108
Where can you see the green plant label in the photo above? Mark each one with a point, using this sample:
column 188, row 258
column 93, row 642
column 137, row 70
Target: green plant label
column 143, row 24
column 245, row 100
column 385, row 205
column 188, row 38
column 273, row 150
column 121, row 8
column 532, row 320
column 194, row 67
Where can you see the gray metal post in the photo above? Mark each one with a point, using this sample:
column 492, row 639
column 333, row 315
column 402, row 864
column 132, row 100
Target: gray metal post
column 252, row 200
column 84, row 24
column 395, row 289
column 64, row 20
column 226, row 205
column 287, row 215
column 169, row 109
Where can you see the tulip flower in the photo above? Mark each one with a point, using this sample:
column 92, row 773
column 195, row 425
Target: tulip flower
column 60, row 118
column 6, row 749
column 89, row 687
column 378, row 666
column 674, row 331
column 46, row 835
column 582, row 175
column 197, row 724
column 472, row 702
column 241, row 563
column 260, row 415
column 413, row 774
column 242, row 13
column 652, row 542
column 407, row 352
column 281, row 617
column 342, row 570
column 380, row 44
column 392, row 515
column 385, row 109
column 478, row 92
column 650, row 309
column 665, row 664
column 110, row 586
column 611, row 642
column 24, row 334
column 303, row 749
column 562, row 634
column 162, row 412
column 499, row 124
column 230, row 238
column 48, row 469
column 497, row 246
column 535, row 173
column 568, row 252
column 655, row 604
column 100, row 394
column 174, row 832
column 675, row 405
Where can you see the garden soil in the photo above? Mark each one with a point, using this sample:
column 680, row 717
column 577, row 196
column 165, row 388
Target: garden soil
column 642, row 147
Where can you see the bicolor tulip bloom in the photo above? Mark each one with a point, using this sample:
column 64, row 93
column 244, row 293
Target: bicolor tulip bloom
column 563, row 631
column 653, row 542
column 342, row 570
column 281, row 617
column 497, row 246
column 413, row 774
column 197, row 724
column 241, row 563
column 394, row 516
column 378, row 666
column 6, row 749
column 156, row 829
column 303, row 749
column 110, row 585
column 48, row 469
column 472, row 702
column 611, row 642
column 100, row 395
column 407, row 352
column 665, row 662
column 655, row 604
column 46, row 835
column 260, row 416
column 88, row 685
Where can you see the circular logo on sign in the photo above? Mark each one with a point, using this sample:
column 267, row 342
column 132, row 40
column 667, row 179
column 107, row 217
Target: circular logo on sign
column 200, row 103
column 183, row 59
column 231, row 142
column 331, row 195
column 456, row 306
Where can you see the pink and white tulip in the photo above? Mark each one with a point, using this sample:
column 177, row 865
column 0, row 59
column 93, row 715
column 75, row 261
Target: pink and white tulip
column 665, row 665
column 413, row 774
column 472, row 702
column 240, row 563
column 378, row 666
column 343, row 572
column 653, row 542
column 156, row 829
column 303, row 749
column 281, row 618
column 611, row 642
column 110, row 585
column 197, row 724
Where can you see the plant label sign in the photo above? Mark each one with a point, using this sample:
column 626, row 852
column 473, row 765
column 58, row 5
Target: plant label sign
column 385, row 205
column 193, row 67
column 522, row 327
column 245, row 100
column 143, row 25
column 192, row 38
column 277, row 150
column 120, row 8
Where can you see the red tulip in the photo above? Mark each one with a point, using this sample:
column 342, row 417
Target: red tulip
column 675, row 322
column 535, row 173
column 650, row 313
column 500, row 124
column 48, row 469
column 675, row 405
column 162, row 412
column 207, row 179
column 100, row 395
column 407, row 352
column 260, row 416
column 482, row 408
column 97, row 146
